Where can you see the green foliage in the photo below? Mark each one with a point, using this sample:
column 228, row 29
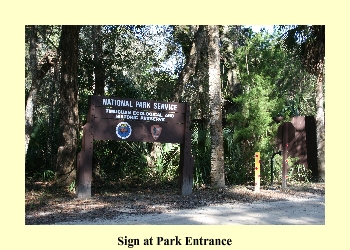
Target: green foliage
column 200, row 145
column 252, row 129
column 277, row 167
column 272, row 83
column 167, row 162
column 41, row 154
column 298, row 173
column 307, row 42
column 71, row 187
column 42, row 149
column 48, row 175
column 118, row 160
column 235, row 171
column 144, row 62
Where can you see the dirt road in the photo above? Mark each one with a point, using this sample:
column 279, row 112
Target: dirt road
column 309, row 210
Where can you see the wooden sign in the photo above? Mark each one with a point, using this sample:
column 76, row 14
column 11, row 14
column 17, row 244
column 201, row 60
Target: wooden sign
column 286, row 132
column 113, row 118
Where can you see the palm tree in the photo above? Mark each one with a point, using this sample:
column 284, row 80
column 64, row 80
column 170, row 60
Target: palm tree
column 309, row 43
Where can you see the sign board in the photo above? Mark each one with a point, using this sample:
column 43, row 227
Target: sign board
column 113, row 118
column 138, row 120
column 286, row 132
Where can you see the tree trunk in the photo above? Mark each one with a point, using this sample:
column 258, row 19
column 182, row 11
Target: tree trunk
column 191, row 62
column 98, row 60
column 228, row 48
column 69, row 119
column 217, row 148
column 99, row 78
column 320, row 123
column 37, row 73
column 30, row 103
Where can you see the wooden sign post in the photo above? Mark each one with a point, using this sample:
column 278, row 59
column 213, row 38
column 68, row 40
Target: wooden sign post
column 286, row 132
column 113, row 118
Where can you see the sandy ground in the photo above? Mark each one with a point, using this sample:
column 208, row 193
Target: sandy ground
column 309, row 210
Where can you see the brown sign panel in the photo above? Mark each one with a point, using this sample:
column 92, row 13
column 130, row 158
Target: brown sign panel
column 110, row 129
column 114, row 118
column 304, row 144
column 286, row 132
column 137, row 104
column 137, row 120
column 139, row 115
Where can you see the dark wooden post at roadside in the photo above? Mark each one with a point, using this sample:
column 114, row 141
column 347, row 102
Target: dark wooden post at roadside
column 284, row 161
column 84, row 161
column 113, row 118
column 286, row 133
column 186, row 159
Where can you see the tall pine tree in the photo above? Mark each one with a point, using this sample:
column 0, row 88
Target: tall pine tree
column 69, row 119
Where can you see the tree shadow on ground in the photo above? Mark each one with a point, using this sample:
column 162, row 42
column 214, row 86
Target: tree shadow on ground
column 48, row 204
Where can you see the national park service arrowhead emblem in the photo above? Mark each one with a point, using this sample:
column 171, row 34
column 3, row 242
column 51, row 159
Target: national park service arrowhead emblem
column 156, row 130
